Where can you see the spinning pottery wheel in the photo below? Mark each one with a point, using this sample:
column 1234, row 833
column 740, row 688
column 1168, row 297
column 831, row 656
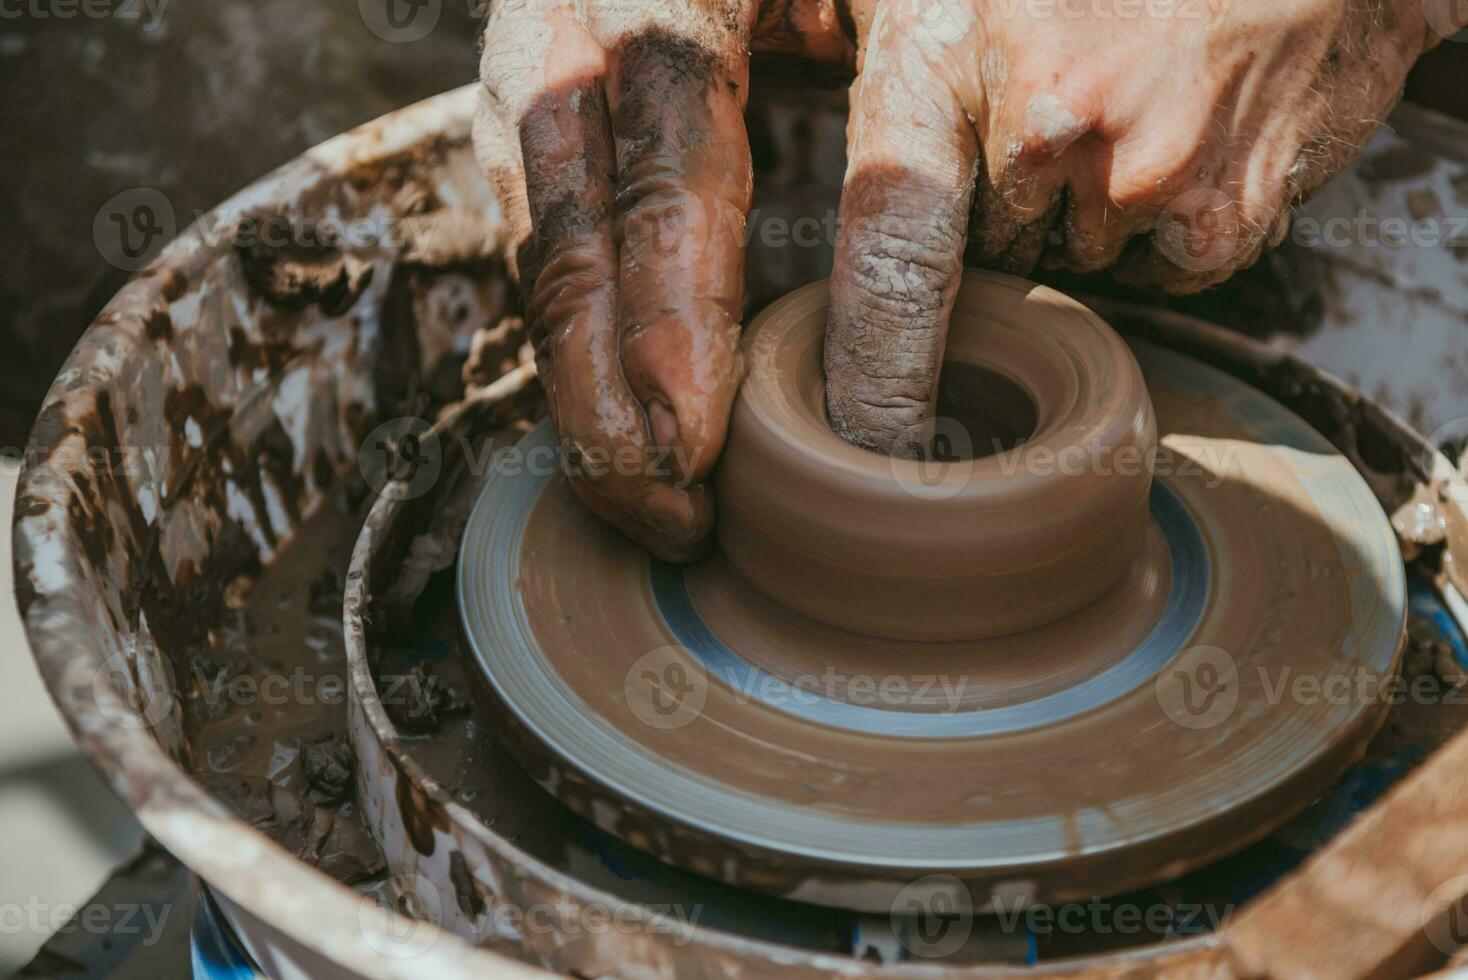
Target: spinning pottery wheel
column 1063, row 657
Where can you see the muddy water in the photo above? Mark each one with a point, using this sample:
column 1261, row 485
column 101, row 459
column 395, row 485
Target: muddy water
column 265, row 703
column 273, row 678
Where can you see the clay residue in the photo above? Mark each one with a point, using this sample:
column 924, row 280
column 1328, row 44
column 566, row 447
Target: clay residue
column 337, row 845
column 293, row 271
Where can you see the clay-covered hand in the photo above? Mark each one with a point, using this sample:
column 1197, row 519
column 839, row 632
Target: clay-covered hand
column 614, row 133
column 1164, row 139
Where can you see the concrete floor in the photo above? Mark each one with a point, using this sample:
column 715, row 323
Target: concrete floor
column 61, row 829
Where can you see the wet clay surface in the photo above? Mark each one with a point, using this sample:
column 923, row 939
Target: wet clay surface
column 464, row 755
column 495, row 788
column 988, row 673
column 1283, row 599
column 944, row 549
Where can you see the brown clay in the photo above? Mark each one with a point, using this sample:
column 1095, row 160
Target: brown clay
column 934, row 550
column 1298, row 576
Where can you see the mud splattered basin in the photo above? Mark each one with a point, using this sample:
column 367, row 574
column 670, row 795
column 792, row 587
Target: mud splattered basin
column 215, row 406
column 203, row 417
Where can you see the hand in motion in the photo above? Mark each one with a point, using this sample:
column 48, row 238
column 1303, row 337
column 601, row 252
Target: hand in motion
column 1164, row 139
column 614, row 133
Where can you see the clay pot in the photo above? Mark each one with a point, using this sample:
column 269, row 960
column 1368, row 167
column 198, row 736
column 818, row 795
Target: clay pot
column 969, row 542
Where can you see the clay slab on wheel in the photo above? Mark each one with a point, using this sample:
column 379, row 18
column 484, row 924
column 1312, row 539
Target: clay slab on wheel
column 1117, row 745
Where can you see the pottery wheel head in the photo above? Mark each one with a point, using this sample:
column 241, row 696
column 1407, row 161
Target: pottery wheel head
column 1045, row 664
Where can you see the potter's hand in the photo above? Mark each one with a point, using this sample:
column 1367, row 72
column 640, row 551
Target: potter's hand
column 614, row 133
column 1163, row 138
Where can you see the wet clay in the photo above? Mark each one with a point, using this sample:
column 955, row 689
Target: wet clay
column 1299, row 577
column 1284, row 599
column 954, row 546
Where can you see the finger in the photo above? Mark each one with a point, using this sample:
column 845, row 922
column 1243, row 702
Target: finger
column 1205, row 233
column 565, row 140
column 497, row 149
column 1117, row 191
column 912, row 158
column 1037, row 134
column 684, row 184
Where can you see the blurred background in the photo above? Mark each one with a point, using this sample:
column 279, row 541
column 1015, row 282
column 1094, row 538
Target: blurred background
column 187, row 101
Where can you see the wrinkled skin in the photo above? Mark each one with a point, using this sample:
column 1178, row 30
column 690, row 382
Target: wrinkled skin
column 1162, row 139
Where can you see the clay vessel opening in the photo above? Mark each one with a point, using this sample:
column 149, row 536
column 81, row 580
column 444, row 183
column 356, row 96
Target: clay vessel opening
column 980, row 413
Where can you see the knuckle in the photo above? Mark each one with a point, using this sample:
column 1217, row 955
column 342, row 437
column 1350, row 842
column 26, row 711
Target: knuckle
column 902, row 265
column 565, row 279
